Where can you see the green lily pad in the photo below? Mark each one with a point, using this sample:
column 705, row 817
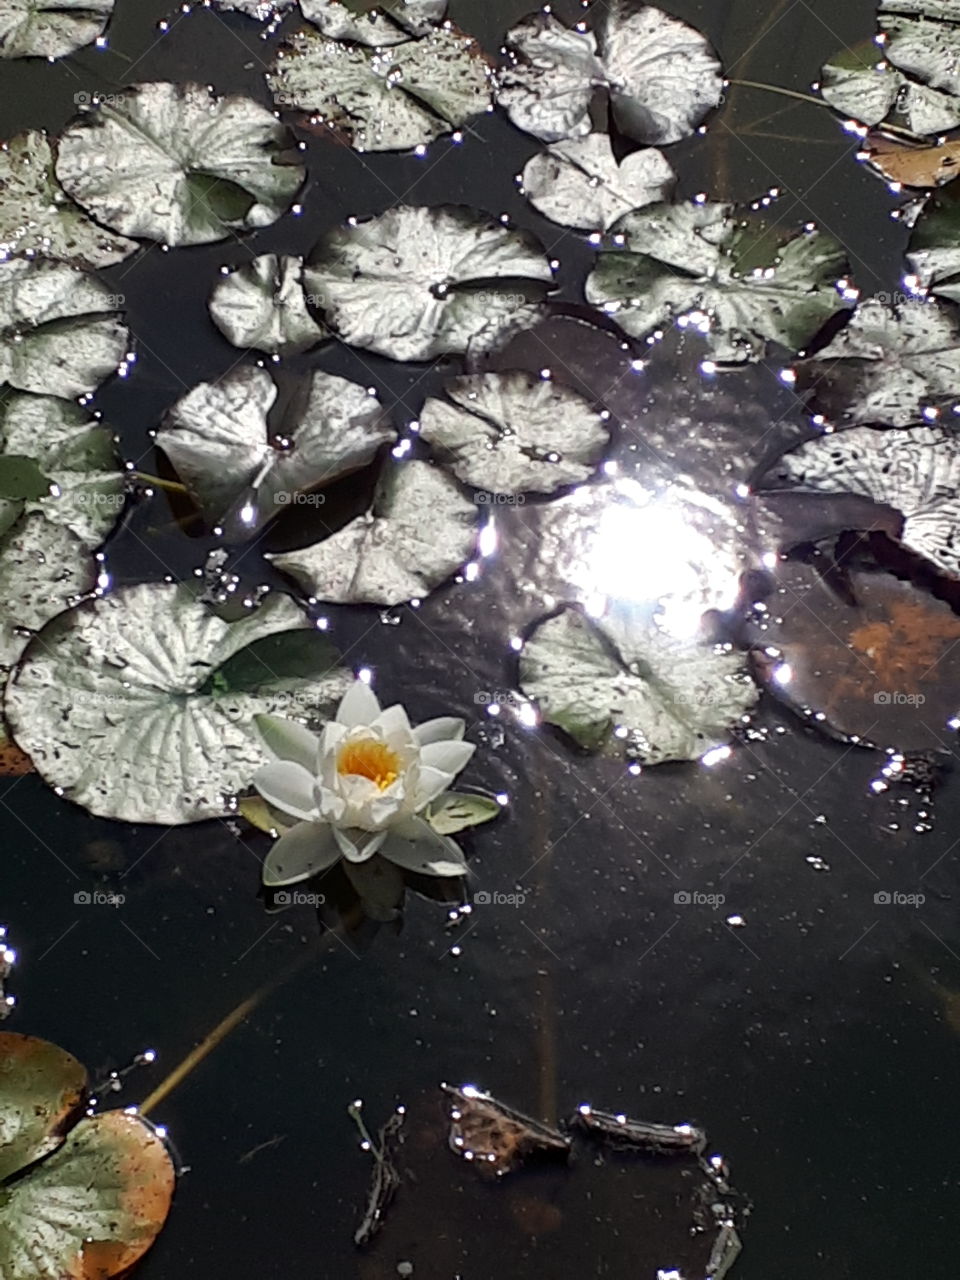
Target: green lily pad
column 669, row 698
column 262, row 305
column 178, row 164
column 723, row 271
column 119, row 705
column 61, row 493
column 457, row 810
column 42, row 1091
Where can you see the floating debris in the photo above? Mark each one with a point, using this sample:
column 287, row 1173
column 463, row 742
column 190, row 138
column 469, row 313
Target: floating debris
column 386, row 1179
column 8, row 958
column 624, row 1134
column 495, row 1136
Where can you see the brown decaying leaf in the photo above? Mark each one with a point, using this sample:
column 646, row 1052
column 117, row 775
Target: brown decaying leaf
column 14, row 763
column 496, row 1138
column 913, row 166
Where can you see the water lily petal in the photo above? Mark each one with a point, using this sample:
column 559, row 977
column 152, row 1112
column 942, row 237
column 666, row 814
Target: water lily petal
column 448, row 756
column 289, row 740
column 359, row 705
column 288, row 787
column 393, row 722
column 333, row 734
column 356, row 845
column 432, row 783
column 442, row 729
column 330, row 804
column 300, row 853
column 415, row 846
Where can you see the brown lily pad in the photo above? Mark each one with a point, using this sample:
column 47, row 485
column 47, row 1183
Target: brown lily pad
column 497, row 1138
column 912, row 166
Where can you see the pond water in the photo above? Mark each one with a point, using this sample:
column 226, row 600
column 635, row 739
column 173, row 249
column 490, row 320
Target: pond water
column 692, row 943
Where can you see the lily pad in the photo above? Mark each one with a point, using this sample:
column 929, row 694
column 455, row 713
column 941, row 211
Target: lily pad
column 416, row 283
column 60, row 331
column 661, row 75
column 923, row 39
column 230, row 454
column 178, row 164
column 46, row 537
column 123, row 705
column 38, row 221
column 264, row 10
column 578, row 183
column 50, row 28
column 916, row 471
column 934, row 249
column 377, row 23
column 512, row 432
column 859, row 82
column 390, row 98
column 42, row 1091
column 729, row 274
column 419, row 531
column 457, row 810
column 887, row 365
column 671, row 698
column 262, row 305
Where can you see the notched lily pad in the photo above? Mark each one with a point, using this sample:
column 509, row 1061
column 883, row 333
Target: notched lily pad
column 670, row 698
column 934, row 248
column 723, row 271
column 887, row 365
column 178, row 164
column 859, row 82
column 661, row 75
column 915, row 471
column 50, row 28
column 81, row 1201
column 374, row 22
column 262, row 305
column 123, row 705
column 419, row 531
column 457, row 810
column 51, row 520
column 513, row 432
column 37, row 220
column 243, row 468
column 60, row 329
column 416, row 283
column 578, row 182
column 391, row 98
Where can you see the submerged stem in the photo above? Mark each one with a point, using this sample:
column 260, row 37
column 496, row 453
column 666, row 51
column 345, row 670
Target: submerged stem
column 223, row 1029
column 172, row 485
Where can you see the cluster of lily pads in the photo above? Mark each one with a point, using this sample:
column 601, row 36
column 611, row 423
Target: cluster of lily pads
column 139, row 703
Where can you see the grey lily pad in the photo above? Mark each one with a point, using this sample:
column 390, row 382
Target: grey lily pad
column 419, row 531
column 390, row 98
column 60, row 332
column 38, row 221
column 934, row 248
column 415, row 283
column 578, row 182
column 915, row 471
column 730, row 274
column 512, row 432
column 671, row 698
column 50, row 28
column 859, row 82
column 662, row 76
column 42, row 1089
column 887, row 366
column 139, row 705
column 388, row 22
column 46, row 539
column 177, row 164
column 262, row 305
column 264, row 10
column 923, row 39
column 227, row 453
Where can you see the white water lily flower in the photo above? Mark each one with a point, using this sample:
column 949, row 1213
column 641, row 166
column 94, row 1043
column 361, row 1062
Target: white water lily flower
column 359, row 789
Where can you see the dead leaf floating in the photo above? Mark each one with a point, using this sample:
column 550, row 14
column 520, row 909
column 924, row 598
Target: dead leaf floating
column 909, row 166
column 494, row 1136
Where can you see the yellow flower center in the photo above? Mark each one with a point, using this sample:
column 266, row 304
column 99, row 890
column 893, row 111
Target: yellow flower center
column 368, row 758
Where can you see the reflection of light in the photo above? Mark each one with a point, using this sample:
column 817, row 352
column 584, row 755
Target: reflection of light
column 487, row 543
column 652, row 553
column 783, row 674
column 365, row 674
column 715, row 756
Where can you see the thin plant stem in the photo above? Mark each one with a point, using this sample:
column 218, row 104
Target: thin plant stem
column 223, row 1029
column 172, row 486
column 819, row 102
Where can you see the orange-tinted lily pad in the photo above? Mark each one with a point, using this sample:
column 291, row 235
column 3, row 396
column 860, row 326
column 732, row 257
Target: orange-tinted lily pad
column 42, row 1091
column 14, row 763
column 882, row 667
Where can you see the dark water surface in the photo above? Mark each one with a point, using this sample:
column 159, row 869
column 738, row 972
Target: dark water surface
column 816, row 1042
